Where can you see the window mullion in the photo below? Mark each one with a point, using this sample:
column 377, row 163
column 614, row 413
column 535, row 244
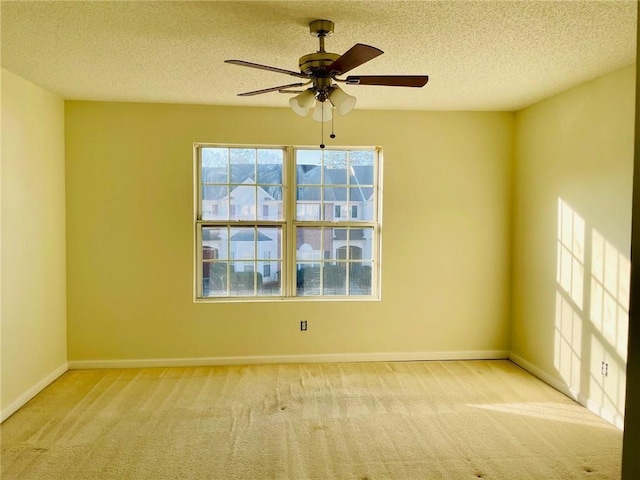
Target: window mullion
column 198, row 255
column 291, row 246
column 197, row 151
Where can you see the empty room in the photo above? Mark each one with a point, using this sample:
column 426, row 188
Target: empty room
column 318, row 240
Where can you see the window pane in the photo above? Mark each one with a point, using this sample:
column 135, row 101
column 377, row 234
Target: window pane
column 308, row 203
column 270, row 203
column 243, row 278
column 308, row 212
column 359, row 279
column 215, row 175
column 243, row 203
column 271, row 277
column 361, row 175
column 309, row 245
column 269, row 243
column 356, row 243
column 356, row 200
column 215, row 165
column 242, row 243
column 362, row 199
column 215, row 200
column 361, row 243
column 365, row 194
column 215, row 282
column 328, row 244
column 338, row 244
column 309, row 175
column 335, row 279
column 214, row 243
column 243, row 165
column 361, row 157
column 308, row 170
column 308, row 279
column 335, row 196
column 335, row 163
column 270, row 163
column 209, row 253
column 308, row 195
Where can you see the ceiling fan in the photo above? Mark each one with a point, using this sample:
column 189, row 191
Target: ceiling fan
column 322, row 69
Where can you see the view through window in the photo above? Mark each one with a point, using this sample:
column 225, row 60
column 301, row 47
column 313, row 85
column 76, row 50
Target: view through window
column 287, row 222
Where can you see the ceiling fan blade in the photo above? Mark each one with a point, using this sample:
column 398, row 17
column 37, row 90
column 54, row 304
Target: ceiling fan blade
column 272, row 89
column 389, row 80
column 354, row 57
column 242, row 63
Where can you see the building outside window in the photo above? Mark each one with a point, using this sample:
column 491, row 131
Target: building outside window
column 272, row 222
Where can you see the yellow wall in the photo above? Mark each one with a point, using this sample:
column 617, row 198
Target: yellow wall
column 446, row 246
column 575, row 151
column 34, row 346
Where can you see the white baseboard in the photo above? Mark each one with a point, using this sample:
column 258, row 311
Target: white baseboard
column 320, row 358
column 32, row 392
column 606, row 414
column 544, row 376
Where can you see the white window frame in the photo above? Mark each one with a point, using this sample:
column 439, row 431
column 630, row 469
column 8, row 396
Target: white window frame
column 289, row 224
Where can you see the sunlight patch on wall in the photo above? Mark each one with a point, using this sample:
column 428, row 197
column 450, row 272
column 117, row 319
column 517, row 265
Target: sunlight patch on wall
column 592, row 315
column 569, row 297
column 568, row 343
column 609, row 313
column 610, row 280
column 570, row 274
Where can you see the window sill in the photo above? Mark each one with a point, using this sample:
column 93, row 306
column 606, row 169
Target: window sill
column 214, row 300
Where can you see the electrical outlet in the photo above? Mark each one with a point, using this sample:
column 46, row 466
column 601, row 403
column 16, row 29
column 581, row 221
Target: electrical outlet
column 604, row 369
column 303, row 325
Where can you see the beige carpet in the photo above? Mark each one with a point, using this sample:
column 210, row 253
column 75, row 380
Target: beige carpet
column 413, row 420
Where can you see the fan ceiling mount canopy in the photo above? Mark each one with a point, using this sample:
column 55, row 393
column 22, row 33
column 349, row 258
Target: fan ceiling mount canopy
column 321, row 70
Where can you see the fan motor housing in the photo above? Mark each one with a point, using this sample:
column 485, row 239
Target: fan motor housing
column 314, row 62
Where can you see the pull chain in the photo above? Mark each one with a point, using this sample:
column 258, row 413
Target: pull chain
column 322, row 125
column 333, row 135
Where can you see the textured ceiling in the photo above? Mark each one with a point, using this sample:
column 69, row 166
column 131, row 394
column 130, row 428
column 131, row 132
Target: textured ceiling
column 480, row 55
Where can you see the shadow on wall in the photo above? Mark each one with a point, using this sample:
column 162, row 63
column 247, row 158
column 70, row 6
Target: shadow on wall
column 592, row 315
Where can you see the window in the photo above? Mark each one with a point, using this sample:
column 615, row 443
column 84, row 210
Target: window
column 271, row 222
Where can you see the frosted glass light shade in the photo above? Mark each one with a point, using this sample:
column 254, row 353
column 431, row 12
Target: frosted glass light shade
column 302, row 103
column 343, row 102
column 323, row 112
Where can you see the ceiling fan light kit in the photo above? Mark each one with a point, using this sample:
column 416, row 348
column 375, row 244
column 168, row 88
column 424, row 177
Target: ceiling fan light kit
column 322, row 69
column 322, row 112
column 302, row 103
column 342, row 101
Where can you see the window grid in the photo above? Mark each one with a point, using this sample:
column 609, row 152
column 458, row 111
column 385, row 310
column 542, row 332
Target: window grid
column 287, row 258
